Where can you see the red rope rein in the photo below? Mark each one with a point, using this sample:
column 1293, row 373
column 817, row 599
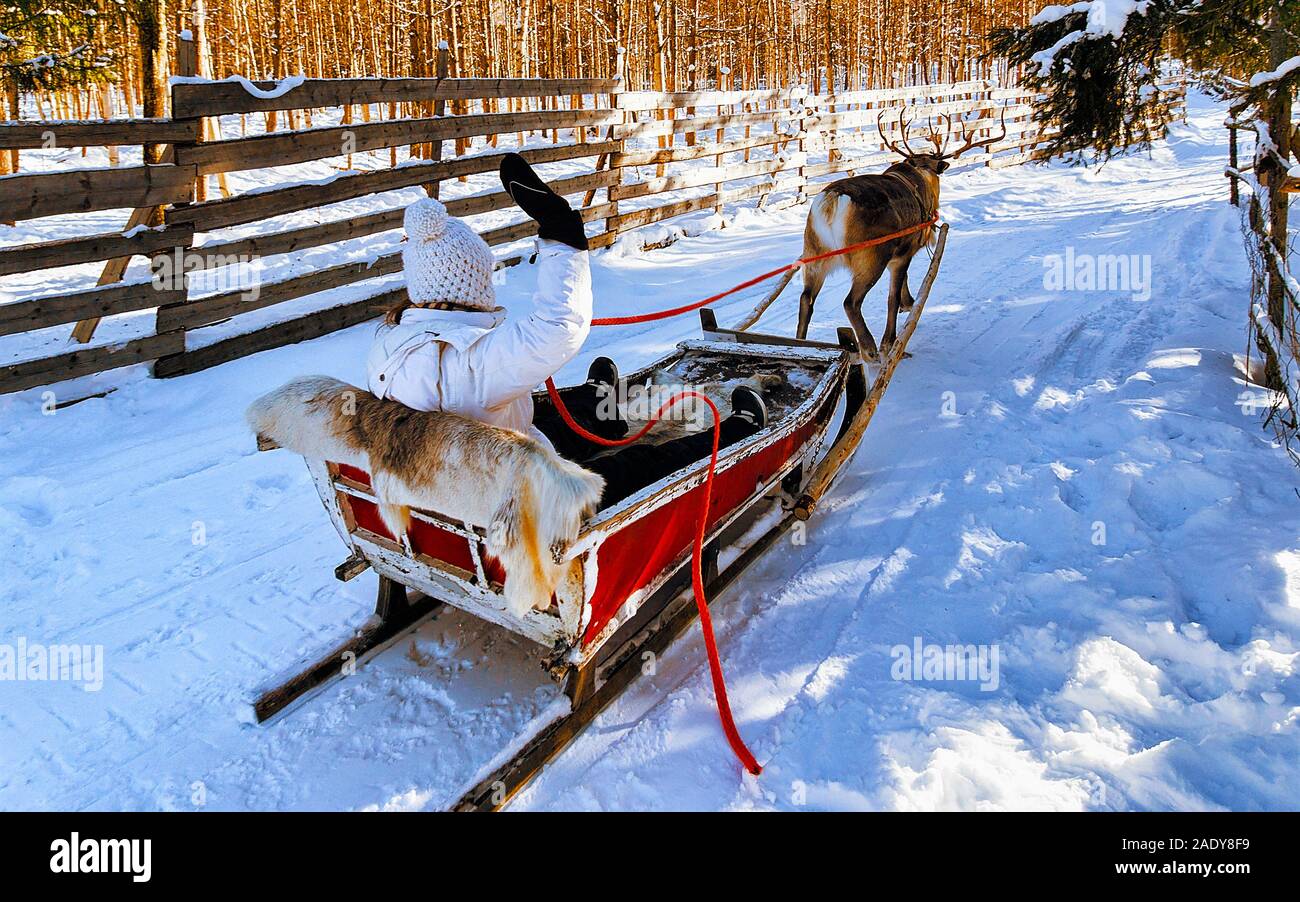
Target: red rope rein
column 697, row 553
column 750, row 283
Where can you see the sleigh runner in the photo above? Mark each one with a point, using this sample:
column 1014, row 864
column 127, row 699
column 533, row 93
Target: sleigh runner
column 625, row 595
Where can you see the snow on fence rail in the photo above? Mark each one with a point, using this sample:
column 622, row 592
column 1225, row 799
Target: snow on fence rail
column 744, row 145
column 1275, row 293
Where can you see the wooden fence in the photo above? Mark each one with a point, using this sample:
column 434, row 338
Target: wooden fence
column 1269, row 180
column 771, row 147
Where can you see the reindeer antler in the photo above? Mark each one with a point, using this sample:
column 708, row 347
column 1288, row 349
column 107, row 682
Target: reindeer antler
column 888, row 143
column 903, row 127
column 970, row 144
column 940, row 138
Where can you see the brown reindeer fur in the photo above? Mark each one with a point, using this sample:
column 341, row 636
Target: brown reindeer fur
column 853, row 210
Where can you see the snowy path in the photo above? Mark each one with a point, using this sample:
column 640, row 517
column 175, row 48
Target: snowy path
column 1155, row 668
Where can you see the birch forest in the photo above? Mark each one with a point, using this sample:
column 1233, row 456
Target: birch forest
column 85, row 58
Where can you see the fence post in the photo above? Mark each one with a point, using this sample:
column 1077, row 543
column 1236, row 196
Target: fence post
column 1234, row 193
column 721, row 136
column 619, row 133
column 144, row 217
column 439, row 109
column 992, row 108
column 1271, row 166
column 186, row 66
column 778, row 151
column 801, row 195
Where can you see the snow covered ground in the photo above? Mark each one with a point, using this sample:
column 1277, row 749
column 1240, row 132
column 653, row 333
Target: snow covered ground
column 1067, row 479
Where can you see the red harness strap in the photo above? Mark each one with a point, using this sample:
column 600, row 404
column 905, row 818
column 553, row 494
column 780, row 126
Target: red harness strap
column 750, row 283
column 697, row 552
column 697, row 574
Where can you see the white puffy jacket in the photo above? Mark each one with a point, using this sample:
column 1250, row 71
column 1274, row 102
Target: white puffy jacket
column 481, row 364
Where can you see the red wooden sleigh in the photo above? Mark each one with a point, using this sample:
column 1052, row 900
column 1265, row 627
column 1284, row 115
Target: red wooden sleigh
column 626, row 596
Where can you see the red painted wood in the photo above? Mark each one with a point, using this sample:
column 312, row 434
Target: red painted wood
column 425, row 538
column 630, row 559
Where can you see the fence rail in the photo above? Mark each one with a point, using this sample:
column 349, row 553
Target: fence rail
column 747, row 145
column 195, row 99
column 32, row 196
column 96, row 132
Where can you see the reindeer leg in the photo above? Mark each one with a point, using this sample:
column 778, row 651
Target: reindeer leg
column 813, row 277
column 905, row 299
column 862, row 282
column 897, row 278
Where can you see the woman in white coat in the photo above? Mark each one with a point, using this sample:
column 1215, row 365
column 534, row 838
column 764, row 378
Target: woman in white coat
column 450, row 347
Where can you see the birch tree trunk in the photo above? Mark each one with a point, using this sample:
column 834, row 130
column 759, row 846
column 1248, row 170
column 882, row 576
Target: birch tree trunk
column 153, row 65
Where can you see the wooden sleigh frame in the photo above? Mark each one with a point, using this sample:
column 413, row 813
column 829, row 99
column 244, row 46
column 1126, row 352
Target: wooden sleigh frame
column 595, row 665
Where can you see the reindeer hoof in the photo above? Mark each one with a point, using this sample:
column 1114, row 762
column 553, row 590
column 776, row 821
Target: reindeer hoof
column 888, row 351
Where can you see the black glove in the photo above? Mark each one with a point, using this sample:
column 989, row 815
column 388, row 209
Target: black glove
column 555, row 219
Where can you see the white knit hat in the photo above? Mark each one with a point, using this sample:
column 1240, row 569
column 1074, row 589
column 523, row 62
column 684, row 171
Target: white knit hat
column 444, row 260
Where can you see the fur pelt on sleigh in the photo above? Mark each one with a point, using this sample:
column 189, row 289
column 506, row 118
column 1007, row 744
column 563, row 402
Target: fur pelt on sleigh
column 530, row 501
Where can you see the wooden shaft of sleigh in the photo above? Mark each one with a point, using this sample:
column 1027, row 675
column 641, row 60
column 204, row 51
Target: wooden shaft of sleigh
column 851, row 436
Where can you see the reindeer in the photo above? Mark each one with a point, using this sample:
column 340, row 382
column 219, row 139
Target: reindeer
column 863, row 207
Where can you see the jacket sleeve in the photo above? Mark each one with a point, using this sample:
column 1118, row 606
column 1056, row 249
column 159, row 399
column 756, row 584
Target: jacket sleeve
column 512, row 359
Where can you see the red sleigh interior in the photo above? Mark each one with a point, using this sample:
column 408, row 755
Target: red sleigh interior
column 633, row 547
column 628, row 560
column 631, row 558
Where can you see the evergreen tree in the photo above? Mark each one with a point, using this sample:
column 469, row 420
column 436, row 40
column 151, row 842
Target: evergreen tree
column 1098, row 62
column 52, row 45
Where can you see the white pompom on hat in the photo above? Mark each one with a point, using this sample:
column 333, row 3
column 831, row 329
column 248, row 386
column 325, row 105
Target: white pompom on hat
column 444, row 260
